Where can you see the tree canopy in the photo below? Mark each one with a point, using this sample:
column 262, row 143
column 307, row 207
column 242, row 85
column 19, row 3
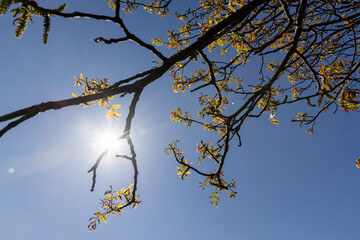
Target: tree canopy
column 305, row 52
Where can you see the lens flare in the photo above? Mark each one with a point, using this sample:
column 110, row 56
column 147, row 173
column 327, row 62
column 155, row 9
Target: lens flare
column 11, row 170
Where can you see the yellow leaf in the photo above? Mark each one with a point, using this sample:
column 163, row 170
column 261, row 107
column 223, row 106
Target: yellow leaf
column 322, row 70
column 218, row 120
column 232, row 8
column 116, row 106
column 274, row 121
column 358, row 163
column 103, row 218
column 75, row 95
column 110, row 114
column 81, row 76
column 102, row 102
column 220, row 42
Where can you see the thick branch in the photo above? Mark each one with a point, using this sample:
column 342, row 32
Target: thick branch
column 202, row 42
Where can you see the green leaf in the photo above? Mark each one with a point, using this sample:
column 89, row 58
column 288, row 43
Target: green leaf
column 62, row 8
column 328, row 96
column 4, row 6
column 328, row 87
column 22, row 24
column 320, row 100
column 46, row 29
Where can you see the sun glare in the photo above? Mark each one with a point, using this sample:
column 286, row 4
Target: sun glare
column 108, row 139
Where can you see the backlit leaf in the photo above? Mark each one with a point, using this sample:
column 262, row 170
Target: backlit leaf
column 274, row 121
column 103, row 218
column 110, row 114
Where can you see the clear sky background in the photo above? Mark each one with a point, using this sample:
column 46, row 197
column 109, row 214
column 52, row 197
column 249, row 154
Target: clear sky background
column 290, row 185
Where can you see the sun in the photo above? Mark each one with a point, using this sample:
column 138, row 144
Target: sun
column 108, row 139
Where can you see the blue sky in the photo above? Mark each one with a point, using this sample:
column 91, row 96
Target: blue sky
column 290, row 185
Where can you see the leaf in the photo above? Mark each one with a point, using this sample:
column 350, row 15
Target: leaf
column 103, row 218
column 220, row 42
column 110, row 114
column 274, row 121
column 328, row 96
column 320, row 100
column 4, row 6
column 232, row 8
column 232, row 194
column 74, row 95
column 218, row 120
column 328, row 87
column 62, row 8
column 116, row 106
column 46, row 29
column 358, row 163
column 23, row 20
column 107, row 107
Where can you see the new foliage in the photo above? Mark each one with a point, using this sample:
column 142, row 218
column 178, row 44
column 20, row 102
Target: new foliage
column 317, row 42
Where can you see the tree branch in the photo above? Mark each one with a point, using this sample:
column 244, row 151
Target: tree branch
column 94, row 168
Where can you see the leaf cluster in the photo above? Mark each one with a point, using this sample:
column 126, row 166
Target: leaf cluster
column 26, row 10
column 94, row 86
column 113, row 203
